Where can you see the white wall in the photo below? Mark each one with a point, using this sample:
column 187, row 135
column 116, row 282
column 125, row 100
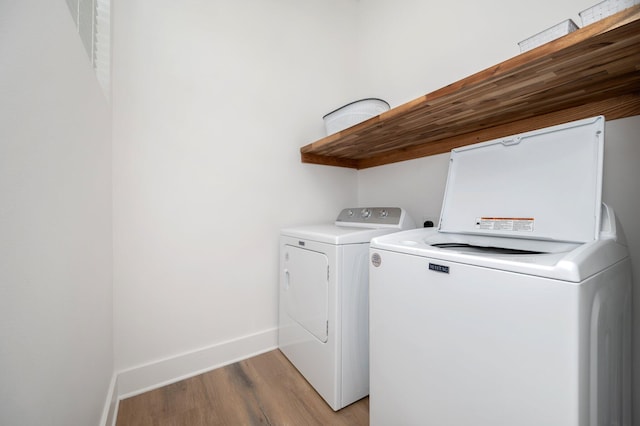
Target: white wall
column 211, row 103
column 56, row 354
column 427, row 45
column 408, row 48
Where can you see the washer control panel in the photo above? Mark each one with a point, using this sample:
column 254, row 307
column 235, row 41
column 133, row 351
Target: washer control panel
column 373, row 217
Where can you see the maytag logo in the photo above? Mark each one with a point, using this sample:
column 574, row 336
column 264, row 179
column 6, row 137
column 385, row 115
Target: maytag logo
column 439, row 268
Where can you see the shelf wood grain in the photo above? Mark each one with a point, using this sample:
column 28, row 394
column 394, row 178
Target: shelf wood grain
column 592, row 71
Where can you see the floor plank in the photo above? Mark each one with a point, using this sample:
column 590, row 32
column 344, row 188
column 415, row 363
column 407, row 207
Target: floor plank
column 263, row 390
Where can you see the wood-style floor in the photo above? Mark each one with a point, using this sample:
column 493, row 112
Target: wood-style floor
column 263, row 390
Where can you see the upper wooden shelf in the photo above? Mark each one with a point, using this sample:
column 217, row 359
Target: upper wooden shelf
column 592, row 71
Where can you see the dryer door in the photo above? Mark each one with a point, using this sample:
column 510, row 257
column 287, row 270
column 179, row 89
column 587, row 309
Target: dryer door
column 306, row 289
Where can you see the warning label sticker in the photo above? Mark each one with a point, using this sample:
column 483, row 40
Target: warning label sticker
column 524, row 224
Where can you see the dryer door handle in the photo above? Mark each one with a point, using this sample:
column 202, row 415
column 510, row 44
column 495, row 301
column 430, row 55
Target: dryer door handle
column 287, row 279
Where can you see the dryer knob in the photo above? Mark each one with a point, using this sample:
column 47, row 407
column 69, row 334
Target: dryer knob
column 365, row 213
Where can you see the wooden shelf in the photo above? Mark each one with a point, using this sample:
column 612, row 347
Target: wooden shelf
column 592, row 71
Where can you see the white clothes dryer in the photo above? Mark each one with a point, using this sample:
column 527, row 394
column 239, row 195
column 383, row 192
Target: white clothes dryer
column 517, row 309
column 324, row 299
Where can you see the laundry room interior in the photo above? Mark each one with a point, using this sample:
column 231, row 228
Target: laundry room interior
column 139, row 222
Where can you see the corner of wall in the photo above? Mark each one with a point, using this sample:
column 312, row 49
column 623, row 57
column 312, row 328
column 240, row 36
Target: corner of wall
column 110, row 411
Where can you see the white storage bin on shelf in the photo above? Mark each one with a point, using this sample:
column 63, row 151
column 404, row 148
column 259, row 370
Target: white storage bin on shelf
column 604, row 9
column 557, row 31
column 353, row 113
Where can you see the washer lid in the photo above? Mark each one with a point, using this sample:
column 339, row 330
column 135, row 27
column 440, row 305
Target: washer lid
column 545, row 184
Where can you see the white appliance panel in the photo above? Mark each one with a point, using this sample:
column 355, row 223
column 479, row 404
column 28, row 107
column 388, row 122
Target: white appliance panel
column 479, row 346
column 354, row 325
column 545, row 184
column 338, row 367
column 306, row 289
column 517, row 310
column 337, row 235
column 324, row 299
column 609, row 347
column 317, row 361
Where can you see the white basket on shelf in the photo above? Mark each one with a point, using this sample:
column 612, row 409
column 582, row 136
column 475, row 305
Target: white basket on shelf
column 604, row 9
column 353, row 113
column 557, row 31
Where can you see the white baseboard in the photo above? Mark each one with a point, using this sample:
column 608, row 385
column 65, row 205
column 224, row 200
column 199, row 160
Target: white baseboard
column 146, row 377
column 110, row 411
column 143, row 378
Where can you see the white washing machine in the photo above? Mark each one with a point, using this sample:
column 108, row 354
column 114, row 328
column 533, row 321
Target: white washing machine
column 324, row 299
column 517, row 309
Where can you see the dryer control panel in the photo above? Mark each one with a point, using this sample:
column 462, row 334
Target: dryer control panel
column 374, row 217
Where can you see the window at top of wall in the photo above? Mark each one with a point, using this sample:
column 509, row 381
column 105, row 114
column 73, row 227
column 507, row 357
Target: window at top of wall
column 93, row 22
